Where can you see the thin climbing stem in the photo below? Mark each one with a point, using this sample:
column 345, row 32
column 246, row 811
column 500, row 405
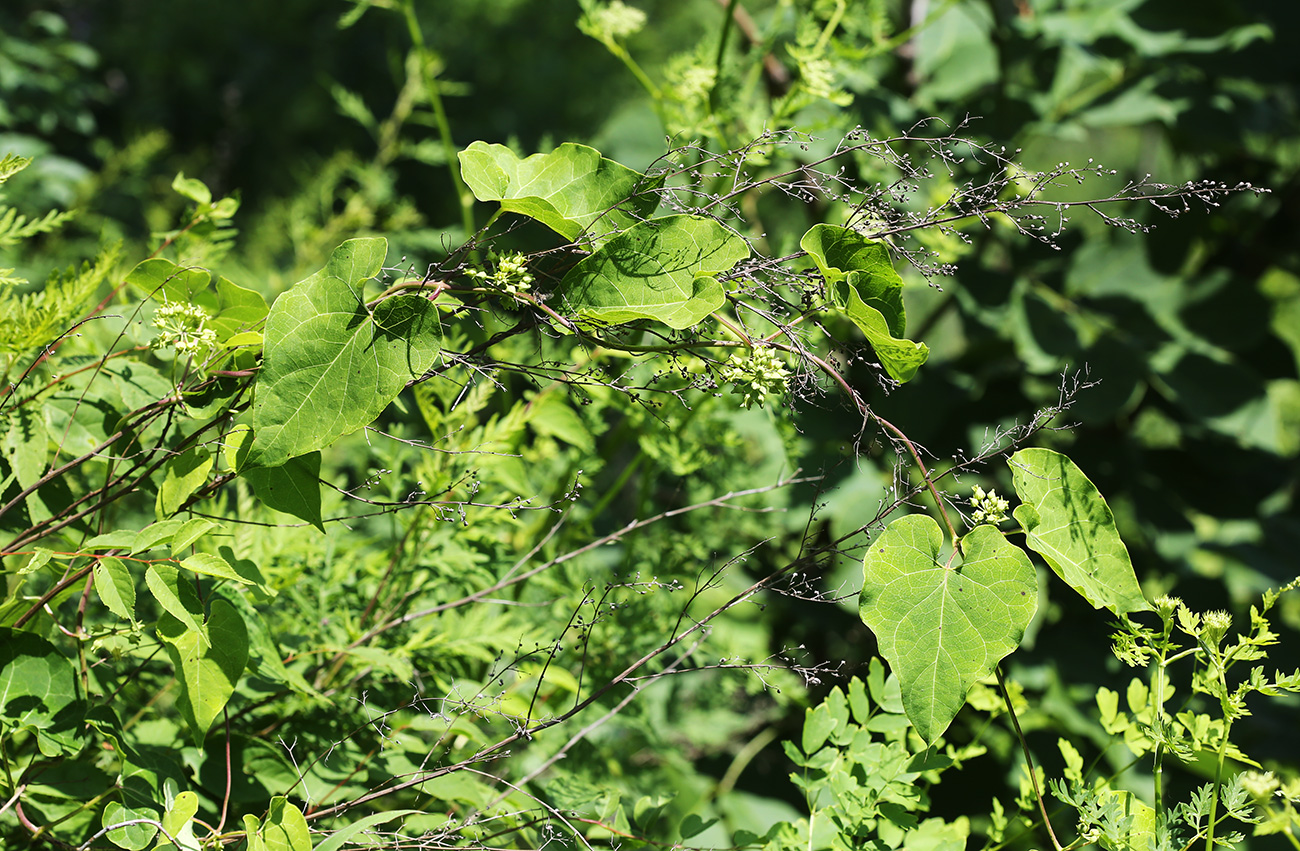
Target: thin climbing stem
column 1029, row 760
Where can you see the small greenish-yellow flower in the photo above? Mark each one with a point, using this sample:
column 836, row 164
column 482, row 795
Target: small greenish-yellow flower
column 1216, row 625
column 989, row 507
column 755, row 375
column 510, row 275
column 613, row 21
column 183, row 326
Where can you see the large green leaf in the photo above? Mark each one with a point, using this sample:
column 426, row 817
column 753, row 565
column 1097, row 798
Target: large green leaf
column 572, row 189
column 331, row 365
column 861, row 282
column 943, row 628
column 843, row 254
column 1069, row 524
column 208, row 665
column 38, row 691
column 661, row 269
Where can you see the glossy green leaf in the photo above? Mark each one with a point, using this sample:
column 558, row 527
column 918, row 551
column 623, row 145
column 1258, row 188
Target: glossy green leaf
column 191, row 531
column 184, row 474
column 178, row 821
column 660, row 269
column 155, row 535
column 232, row 308
column 208, row 662
column 944, row 626
column 115, row 587
column 1069, row 524
column 285, row 829
column 331, row 364
column 900, row 358
column 38, row 692
column 176, row 594
column 572, row 189
column 843, row 254
column 861, row 283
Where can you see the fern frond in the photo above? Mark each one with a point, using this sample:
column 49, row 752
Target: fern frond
column 11, row 164
column 36, row 319
column 14, row 228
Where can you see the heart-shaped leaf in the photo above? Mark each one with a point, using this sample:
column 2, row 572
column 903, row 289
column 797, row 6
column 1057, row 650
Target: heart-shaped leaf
column 331, row 365
column 661, row 269
column 943, row 628
column 1067, row 521
column 572, row 189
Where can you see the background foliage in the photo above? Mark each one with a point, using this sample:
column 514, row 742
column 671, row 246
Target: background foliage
column 299, row 125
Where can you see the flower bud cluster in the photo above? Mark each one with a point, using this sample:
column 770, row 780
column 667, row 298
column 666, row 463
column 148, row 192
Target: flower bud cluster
column 511, row 274
column 183, row 326
column 755, row 375
column 989, row 507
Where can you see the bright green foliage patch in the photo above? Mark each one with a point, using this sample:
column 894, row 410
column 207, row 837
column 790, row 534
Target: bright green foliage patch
column 572, row 190
column 331, row 363
column 661, row 269
column 1068, row 523
column 944, row 625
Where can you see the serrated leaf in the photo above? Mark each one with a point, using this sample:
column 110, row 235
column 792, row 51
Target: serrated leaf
column 115, row 587
column 944, row 627
column 155, row 534
column 331, row 364
column 190, row 532
column 572, row 189
column 661, row 269
column 1069, row 524
column 38, row 691
column 185, row 474
column 208, row 661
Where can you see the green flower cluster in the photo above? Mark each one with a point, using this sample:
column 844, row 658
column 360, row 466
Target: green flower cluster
column 183, row 327
column 989, row 507
column 511, row 274
column 755, row 375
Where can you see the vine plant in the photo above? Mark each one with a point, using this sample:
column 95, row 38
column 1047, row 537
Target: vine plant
column 650, row 268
